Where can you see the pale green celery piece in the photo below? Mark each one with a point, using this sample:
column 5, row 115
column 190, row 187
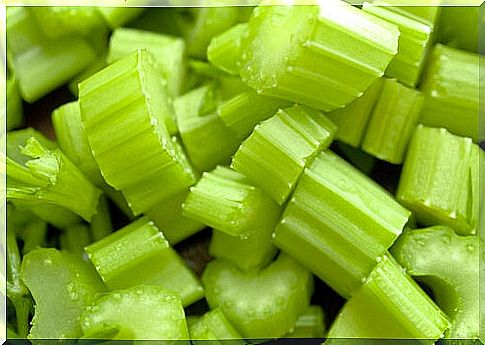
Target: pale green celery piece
column 400, row 309
column 244, row 111
column 214, row 326
column 323, row 56
column 18, row 138
column 448, row 264
column 140, row 313
column 101, row 225
column 15, row 116
column 393, row 122
column 123, row 108
column 207, row 140
column 50, row 178
column 339, row 223
column 118, row 16
column 459, row 27
column 276, row 153
column 168, row 217
column 451, row 86
column 259, row 304
column 168, row 53
column 414, row 41
column 435, row 180
column 310, row 324
column 358, row 158
column 352, row 120
column 57, row 216
column 74, row 238
column 139, row 254
column 62, row 286
column 224, row 50
column 96, row 66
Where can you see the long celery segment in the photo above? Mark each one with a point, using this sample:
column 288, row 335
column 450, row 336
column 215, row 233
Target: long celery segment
column 264, row 304
column 453, row 277
column 62, row 285
column 214, row 325
column 323, row 56
column 435, row 180
column 399, row 309
column 276, row 153
column 139, row 254
column 393, row 122
column 339, row 223
column 142, row 312
column 451, row 86
column 125, row 103
column 14, row 117
column 310, row 324
column 224, row 50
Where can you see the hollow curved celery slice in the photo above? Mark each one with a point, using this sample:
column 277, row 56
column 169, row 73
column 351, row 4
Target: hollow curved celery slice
column 224, row 50
column 310, row 324
column 214, row 325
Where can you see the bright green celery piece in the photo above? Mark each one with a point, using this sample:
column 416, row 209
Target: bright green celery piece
column 393, row 122
column 139, row 254
column 414, row 40
column 62, row 285
column 451, row 86
column 101, row 225
column 459, row 27
column 435, row 180
column 358, row 158
column 352, row 120
column 26, row 226
column 276, row 153
column 339, row 223
column 50, row 178
column 259, row 304
column 207, row 140
column 214, row 326
column 14, row 116
column 449, row 264
column 123, row 108
column 224, row 50
column 168, row 53
column 399, row 309
column 74, row 238
column 323, row 56
column 118, row 16
column 245, row 110
column 142, row 312
column 310, row 324
column 96, row 66
column 18, row 138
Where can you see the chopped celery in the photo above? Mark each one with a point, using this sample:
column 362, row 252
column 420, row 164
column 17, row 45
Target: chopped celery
column 392, row 122
column 15, row 116
column 55, row 215
column 459, row 27
column 449, row 264
column 142, row 312
column 310, row 324
column 125, row 103
column 358, row 158
column 139, row 254
column 214, row 325
column 101, row 225
column 18, row 138
column 451, row 86
column 62, row 285
column 225, row 49
column 339, row 223
column 434, row 182
column 262, row 304
column 323, row 56
column 118, row 16
column 276, row 153
column 96, row 66
column 33, row 235
column 74, row 238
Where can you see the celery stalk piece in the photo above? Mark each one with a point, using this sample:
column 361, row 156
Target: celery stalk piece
column 414, row 40
column 18, row 138
column 214, row 326
column 358, row 158
column 323, row 56
column 207, row 140
column 352, row 120
column 168, row 52
column 245, row 110
column 140, row 313
column 264, row 304
column 276, row 153
column 339, row 223
column 96, row 66
column 62, row 285
column 399, row 309
column 224, row 50
column 15, row 116
column 393, row 122
column 139, row 254
column 451, row 86
column 101, row 225
column 454, row 277
column 74, row 238
column 34, row 235
column 50, row 178
column 118, row 16
column 310, row 324
column 459, row 27
column 125, row 103
column 434, row 182
column 55, row 215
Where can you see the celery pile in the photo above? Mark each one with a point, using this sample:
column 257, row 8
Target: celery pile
column 241, row 174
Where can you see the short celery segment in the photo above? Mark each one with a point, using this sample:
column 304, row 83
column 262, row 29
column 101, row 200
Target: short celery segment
column 214, row 325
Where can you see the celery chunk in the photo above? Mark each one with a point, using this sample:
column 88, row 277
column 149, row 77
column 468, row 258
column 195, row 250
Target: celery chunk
column 224, row 50
column 214, row 325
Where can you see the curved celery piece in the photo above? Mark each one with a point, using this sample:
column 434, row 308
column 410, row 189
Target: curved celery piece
column 142, row 312
column 125, row 103
column 322, row 56
column 224, row 50
column 74, row 238
column 435, row 180
column 139, row 254
column 392, row 122
column 264, row 304
column 214, row 326
column 451, row 86
column 310, row 324
column 399, row 309
column 118, row 16
column 276, row 153
column 339, row 223
column 14, row 117
column 96, row 66
column 62, row 285
column 449, row 264
column 459, row 27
